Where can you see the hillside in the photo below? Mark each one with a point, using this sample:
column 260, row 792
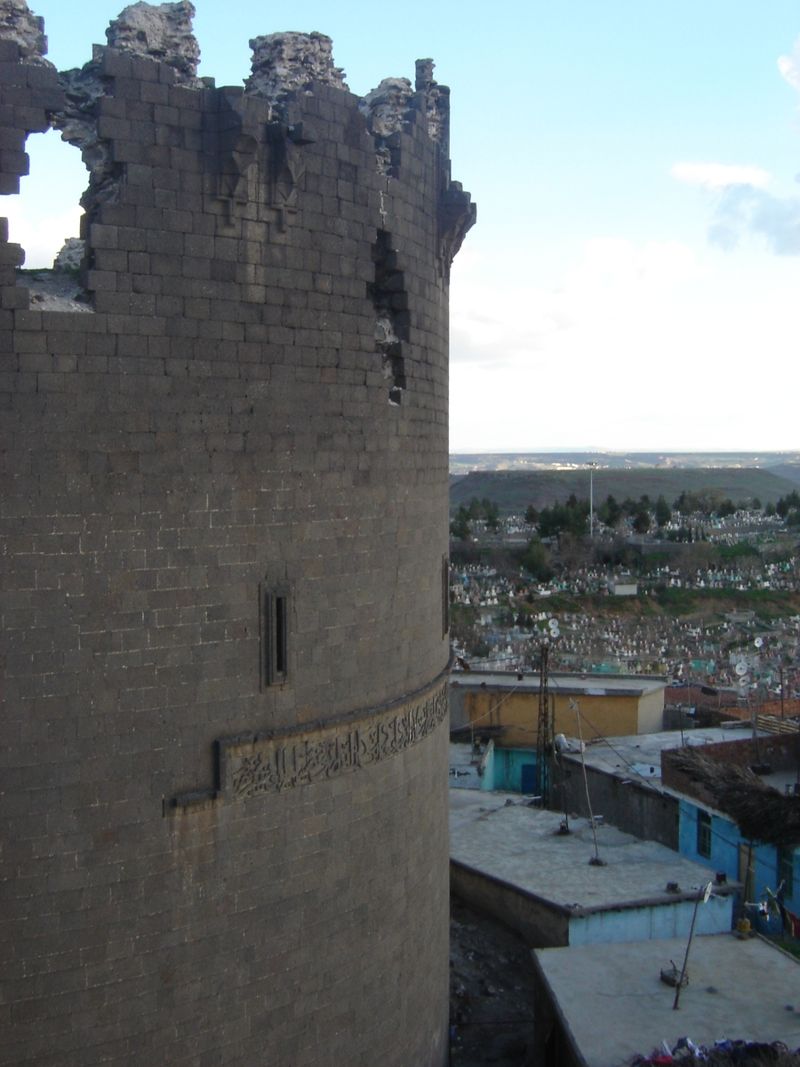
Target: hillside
column 513, row 491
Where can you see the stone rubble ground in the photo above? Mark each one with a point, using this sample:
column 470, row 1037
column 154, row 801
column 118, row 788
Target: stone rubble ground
column 491, row 993
column 53, row 291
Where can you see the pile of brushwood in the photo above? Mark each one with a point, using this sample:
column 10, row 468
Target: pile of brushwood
column 761, row 812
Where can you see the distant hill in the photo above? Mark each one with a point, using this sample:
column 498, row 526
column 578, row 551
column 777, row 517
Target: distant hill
column 514, row 490
column 790, row 471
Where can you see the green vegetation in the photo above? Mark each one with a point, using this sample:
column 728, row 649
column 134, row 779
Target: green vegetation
column 571, row 517
column 788, row 508
column 742, row 550
column 536, row 561
column 478, row 510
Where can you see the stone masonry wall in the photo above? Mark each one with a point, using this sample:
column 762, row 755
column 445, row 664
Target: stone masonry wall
column 224, row 530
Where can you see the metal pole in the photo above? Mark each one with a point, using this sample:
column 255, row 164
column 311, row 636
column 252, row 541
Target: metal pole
column 701, row 896
column 595, row 860
column 591, row 501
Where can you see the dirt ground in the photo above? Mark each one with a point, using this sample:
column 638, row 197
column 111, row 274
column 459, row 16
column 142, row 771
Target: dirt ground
column 491, row 993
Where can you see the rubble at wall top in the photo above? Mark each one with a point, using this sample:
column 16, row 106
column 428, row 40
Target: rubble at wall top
column 282, row 64
column 17, row 24
column 162, row 32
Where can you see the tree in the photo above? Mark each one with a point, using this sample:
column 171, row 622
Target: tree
column 536, row 561
column 492, row 515
column 663, row 512
column 531, row 515
column 786, row 503
column 629, row 506
column 475, row 510
column 641, row 521
column 609, row 511
column 571, row 518
column 726, row 507
column 460, row 527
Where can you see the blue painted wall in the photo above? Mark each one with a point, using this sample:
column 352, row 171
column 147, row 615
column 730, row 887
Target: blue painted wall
column 652, row 923
column 725, row 842
column 503, row 768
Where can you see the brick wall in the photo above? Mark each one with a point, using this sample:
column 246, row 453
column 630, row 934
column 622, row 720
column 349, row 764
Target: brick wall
column 204, row 867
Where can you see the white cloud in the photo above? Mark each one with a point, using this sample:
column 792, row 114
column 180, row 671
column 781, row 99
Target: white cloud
column 640, row 345
column 716, row 176
column 789, row 66
column 614, row 283
column 42, row 235
column 744, row 210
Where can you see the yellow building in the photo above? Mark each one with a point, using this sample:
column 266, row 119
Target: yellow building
column 506, row 705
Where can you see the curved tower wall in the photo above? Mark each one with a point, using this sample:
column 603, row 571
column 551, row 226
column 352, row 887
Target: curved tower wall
column 225, row 500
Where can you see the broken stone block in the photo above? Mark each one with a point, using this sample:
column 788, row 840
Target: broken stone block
column 285, row 63
column 162, row 32
column 71, row 255
column 17, row 24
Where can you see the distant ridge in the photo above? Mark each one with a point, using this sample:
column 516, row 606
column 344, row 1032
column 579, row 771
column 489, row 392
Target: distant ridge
column 514, row 490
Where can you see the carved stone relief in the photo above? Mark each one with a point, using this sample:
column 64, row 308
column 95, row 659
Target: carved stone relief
column 271, row 765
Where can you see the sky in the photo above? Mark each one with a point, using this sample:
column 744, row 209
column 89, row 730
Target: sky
column 632, row 282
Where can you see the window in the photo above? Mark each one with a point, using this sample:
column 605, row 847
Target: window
column 704, row 834
column 786, row 870
column 445, row 596
column 275, row 637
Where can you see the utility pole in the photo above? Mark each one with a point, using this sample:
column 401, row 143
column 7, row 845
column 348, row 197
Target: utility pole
column 591, row 500
column 544, row 732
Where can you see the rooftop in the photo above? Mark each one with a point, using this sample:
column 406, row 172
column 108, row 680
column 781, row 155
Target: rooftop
column 580, row 684
column 638, row 756
column 613, row 1002
column 502, row 837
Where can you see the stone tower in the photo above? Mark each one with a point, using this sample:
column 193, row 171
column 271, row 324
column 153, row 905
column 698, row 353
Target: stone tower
column 224, row 552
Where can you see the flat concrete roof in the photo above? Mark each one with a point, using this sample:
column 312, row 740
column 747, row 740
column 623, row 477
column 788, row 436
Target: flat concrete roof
column 612, row 1001
column 580, row 684
column 502, row 837
column 638, row 756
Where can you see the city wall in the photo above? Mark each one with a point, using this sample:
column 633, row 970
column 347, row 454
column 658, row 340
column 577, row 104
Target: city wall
column 224, row 557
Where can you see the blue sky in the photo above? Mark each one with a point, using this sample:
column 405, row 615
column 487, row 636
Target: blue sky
column 633, row 277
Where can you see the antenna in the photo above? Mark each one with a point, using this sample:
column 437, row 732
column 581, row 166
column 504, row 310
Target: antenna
column 595, row 860
column 702, row 898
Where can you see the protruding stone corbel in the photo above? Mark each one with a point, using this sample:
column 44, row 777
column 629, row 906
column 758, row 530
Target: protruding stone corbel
column 457, row 215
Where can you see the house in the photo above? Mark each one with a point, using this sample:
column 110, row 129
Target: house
column 572, row 884
column 624, row 780
column 603, row 1005
column 742, row 823
column 697, row 792
column 609, row 704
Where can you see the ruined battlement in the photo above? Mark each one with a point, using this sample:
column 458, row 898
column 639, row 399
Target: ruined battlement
column 224, row 543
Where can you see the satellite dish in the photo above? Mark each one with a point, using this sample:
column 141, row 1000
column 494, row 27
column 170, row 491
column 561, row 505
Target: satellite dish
column 759, row 641
column 553, row 624
column 707, row 893
column 741, row 668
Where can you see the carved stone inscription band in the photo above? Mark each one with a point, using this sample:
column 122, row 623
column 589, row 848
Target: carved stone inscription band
column 270, row 765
